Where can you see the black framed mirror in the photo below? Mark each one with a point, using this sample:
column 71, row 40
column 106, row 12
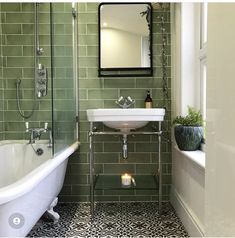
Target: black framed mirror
column 125, row 39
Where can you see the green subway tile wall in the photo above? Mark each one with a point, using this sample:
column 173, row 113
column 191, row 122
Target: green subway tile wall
column 95, row 92
column 17, row 51
column 17, row 61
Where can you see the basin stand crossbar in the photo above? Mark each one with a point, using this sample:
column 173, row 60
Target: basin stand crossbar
column 93, row 132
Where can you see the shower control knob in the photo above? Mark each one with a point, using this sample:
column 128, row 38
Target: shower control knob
column 27, row 125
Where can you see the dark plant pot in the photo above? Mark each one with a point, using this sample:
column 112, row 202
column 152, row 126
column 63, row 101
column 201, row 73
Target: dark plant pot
column 188, row 137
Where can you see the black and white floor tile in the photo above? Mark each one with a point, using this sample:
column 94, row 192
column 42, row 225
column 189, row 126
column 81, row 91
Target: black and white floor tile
column 112, row 220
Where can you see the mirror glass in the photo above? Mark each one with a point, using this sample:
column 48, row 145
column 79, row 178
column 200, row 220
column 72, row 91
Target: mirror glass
column 125, row 39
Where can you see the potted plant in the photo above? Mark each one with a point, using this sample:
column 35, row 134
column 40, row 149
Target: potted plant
column 188, row 130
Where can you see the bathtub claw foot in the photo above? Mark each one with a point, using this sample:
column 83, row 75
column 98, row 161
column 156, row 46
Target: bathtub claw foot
column 51, row 213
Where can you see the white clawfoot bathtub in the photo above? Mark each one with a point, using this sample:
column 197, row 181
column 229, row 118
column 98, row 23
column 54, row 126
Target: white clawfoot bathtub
column 29, row 184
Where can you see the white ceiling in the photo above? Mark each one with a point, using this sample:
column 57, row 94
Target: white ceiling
column 125, row 17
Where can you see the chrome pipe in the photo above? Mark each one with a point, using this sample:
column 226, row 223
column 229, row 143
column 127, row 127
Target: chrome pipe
column 124, row 147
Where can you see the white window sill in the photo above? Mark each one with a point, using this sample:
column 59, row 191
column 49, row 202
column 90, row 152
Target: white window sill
column 198, row 156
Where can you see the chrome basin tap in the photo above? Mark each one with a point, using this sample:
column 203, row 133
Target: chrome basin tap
column 35, row 133
column 125, row 102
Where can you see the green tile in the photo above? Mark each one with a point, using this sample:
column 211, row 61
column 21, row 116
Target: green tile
column 12, row 51
column 82, row 29
column 11, row 29
column 9, row 94
column 133, row 138
column 12, row 73
column 102, row 94
column 118, row 168
column 81, row 7
column 14, row 136
column 76, row 179
column 107, row 138
column 68, row 7
column 146, row 192
column 107, row 198
column 98, row 147
column 92, row 7
column 87, row 18
column 44, row 18
column 92, row 72
column 143, row 158
column 19, row 17
column 58, row 7
column 23, row 62
column 92, row 51
column 15, row 126
column 45, row 7
column 27, row 7
column 91, row 83
column 62, row 18
column 119, row 192
column 79, row 168
column 89, row 104
column 146, row 168
column 59, row 28
column 82, row 51
column 88, row 40
column 19, row 40
column 41, row 116
column 106, row 157
column 146, row 147
column 92, row 29
column 12, row 116
column 65, row 40
column 80, row 190
column 113, row 147
column 83, row 94
column 66, row 190
column 44, row 29
column 134, row 93
column 28, row 28
column 119, row 83
column 3, row 17
column 10, row 7
column 148, row 83
column 110, row 103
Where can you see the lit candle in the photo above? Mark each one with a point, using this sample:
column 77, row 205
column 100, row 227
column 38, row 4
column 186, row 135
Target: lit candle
column 126, row 179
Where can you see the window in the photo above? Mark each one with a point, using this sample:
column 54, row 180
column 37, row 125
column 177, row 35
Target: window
column 203, row 58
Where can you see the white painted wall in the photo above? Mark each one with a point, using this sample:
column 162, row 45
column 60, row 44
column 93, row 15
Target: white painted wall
column 220, row 163
column 187, row 193
column 120, row 48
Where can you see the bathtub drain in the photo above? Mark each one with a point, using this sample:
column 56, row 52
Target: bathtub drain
column 39, row 151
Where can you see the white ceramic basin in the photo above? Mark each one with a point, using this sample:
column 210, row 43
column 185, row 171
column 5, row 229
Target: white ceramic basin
column 125, row 119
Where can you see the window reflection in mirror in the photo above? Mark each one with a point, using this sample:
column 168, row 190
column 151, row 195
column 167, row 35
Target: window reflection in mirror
column 125, row 36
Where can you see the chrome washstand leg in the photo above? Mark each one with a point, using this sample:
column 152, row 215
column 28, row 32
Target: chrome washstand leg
column 91, row 162
column 159, row 169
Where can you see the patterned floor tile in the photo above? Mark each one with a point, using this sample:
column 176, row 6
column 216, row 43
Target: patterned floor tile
column 140, row 219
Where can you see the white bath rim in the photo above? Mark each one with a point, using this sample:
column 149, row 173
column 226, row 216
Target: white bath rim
column 30, row 180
